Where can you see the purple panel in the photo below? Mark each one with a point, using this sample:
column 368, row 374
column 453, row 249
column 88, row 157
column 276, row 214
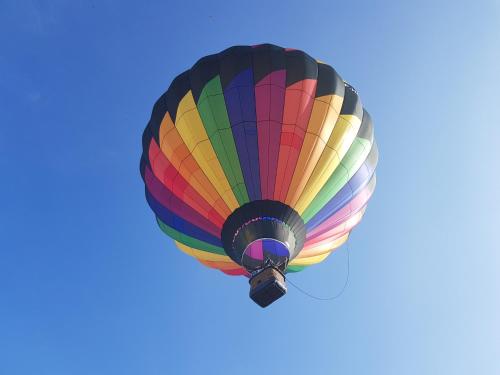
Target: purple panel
column 164, row 197
column 345, row 213
column 266, row 248
column 178, row 223
column 346, row 194
column 233, row 107
column 254, row 250
column 240, row 104
column 248, row 96
column 275, row 248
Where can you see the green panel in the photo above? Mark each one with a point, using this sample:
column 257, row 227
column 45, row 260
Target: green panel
column 351, row 162
column 295, row 268
column 213, row 113
column 189, row 241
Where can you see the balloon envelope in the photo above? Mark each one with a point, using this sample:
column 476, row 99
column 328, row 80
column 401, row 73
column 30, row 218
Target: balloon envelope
column 259, row 153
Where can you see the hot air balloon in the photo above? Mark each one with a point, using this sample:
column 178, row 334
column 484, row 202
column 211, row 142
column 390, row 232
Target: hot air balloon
column 259, row 161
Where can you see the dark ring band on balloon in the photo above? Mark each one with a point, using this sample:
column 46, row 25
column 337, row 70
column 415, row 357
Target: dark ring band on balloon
column 270, row 231
column 262, row 219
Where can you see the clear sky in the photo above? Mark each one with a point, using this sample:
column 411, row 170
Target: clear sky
column 90, row 285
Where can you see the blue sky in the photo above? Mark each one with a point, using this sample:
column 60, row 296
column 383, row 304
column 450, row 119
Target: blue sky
column 90, row 285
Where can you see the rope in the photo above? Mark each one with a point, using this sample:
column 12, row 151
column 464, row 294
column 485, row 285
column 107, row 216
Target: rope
column 334, row 296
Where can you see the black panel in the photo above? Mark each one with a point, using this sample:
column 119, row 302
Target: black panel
column 143, row 163
column 352, row 103
column 366, row 128
column 299, row 66
column 159, row 110
column 177, row 90
column 203, row 71
column 146, row 139
column 233, row 61
column 267, row 58
column 329, row 82
column 372, row 158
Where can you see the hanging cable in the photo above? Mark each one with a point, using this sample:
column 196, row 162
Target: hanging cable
column 334, row 296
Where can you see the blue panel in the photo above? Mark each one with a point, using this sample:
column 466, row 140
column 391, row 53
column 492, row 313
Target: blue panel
column 344, row 196
column 275, row 247
column 240, row 104
column 179, row 224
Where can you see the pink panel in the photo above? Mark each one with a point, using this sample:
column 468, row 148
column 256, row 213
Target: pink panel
column 343, row 214
column 255, row 251
column 269, row 102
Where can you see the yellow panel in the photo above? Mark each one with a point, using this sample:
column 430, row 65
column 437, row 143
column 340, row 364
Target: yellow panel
column 344, row 133
column 177, row 153
column 321, row 124
column 170, row 141
column 308, row 261
column 192, row 131
column 314, row 259
column 204, row 255
column 324, row 246
column 220, row 265
column 340, row 140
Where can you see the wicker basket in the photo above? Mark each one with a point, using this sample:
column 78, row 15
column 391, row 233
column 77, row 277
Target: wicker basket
column 267, row 286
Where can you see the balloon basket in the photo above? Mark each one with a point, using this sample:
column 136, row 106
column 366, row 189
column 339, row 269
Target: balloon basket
column 267, row 286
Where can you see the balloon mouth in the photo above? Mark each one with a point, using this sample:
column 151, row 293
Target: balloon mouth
column 265, row 251
column 262, row 233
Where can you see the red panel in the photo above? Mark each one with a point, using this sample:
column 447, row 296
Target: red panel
column 232, row 269
column 299, row 100
column 167, row 199
column 166, row 173
column 236, row 272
